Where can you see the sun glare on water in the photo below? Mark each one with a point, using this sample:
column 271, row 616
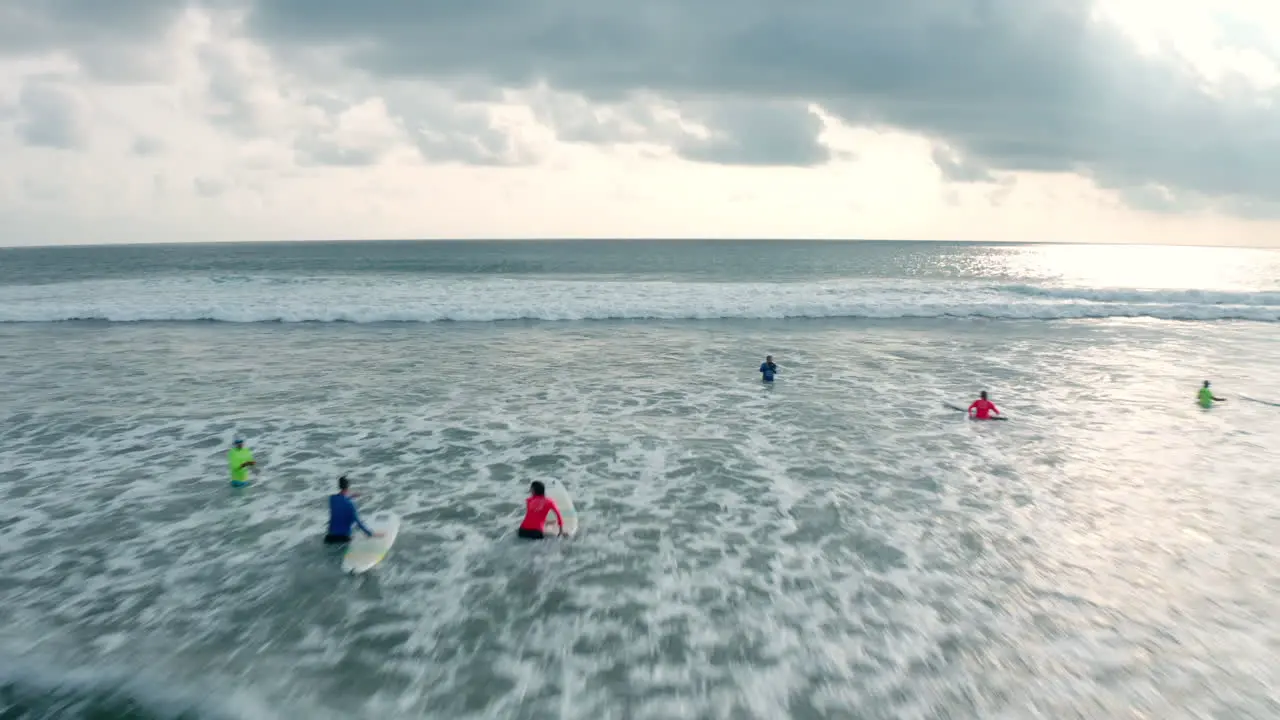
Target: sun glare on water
column 1149, row 267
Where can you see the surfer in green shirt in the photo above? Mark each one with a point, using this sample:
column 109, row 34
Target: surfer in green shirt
column 1206, row 396
column 239, row 460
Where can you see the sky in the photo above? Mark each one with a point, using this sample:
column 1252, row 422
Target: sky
column 1118, row 121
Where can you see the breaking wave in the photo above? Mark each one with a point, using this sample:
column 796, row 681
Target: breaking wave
column 382, row 299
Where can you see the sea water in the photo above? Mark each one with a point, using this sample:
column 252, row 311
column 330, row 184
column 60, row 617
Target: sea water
column 835, row 545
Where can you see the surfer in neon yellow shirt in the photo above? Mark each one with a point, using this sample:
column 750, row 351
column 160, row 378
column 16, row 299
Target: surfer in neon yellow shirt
column 1206, row 396
column 239, row 460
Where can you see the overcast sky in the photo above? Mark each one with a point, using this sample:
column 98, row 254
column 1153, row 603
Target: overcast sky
column 1053, row 120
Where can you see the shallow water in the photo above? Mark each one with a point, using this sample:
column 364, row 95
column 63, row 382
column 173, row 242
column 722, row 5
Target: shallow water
column 838, row 545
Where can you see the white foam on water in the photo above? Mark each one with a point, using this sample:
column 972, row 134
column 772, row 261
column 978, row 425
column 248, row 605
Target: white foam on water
column 425, row 299
column 835, row 544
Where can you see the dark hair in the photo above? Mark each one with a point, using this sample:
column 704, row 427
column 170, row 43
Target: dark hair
column 538, row 488
column 343, row 483
column 983, row 395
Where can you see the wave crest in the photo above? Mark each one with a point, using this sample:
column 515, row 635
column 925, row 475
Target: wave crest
column 383, row 299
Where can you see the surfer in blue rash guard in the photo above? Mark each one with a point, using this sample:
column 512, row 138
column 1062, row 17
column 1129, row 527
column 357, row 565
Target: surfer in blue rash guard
column 768, row 369
column 343, row 516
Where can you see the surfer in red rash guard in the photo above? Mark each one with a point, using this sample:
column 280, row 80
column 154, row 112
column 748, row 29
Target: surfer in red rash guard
column 982, row 408
column 537, row 507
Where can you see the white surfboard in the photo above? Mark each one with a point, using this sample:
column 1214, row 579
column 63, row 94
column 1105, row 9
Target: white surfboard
column 560, row 494
column 364, row 552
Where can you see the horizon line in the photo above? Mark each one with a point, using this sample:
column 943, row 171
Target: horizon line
column 353, row 241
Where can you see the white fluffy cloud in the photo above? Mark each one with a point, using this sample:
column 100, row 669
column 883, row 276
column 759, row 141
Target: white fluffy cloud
column 978, row 119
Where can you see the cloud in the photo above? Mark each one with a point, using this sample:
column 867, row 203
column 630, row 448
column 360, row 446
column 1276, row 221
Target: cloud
column 1011, row 85
column 353, row 121
column 51, row 116
column 209, row 187
column 757, row 133
column 446, row 128
column 355, row 136
column 956, row 168
column 146, row 146
column 114, row 40
column 1158, row 198
column 242, row 107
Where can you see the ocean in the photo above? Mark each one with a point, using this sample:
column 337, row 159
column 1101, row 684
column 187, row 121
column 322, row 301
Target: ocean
column 836, row 545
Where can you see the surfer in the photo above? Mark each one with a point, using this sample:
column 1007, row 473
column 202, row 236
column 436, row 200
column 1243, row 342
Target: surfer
column 343, row 516
column 537, row 507
column 1206, row 396
column 239, row 460
column 982, row 408
column 768, row 368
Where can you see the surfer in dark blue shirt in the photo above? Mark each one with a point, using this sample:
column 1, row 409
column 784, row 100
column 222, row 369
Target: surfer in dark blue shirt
column 767, row 368
column 343, row 515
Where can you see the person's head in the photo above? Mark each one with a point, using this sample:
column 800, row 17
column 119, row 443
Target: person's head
column 1206, row 383
column 768, row 358
column 238, row 442
column 537, row 488
column 344, row 484
column 983, row 394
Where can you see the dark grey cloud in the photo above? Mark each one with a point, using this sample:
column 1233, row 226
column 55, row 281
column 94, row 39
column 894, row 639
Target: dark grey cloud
column 730, row 131
column 51, row 116
column 1032, row 85
column 756, row 133
column 111, row 38
column 41, row 25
